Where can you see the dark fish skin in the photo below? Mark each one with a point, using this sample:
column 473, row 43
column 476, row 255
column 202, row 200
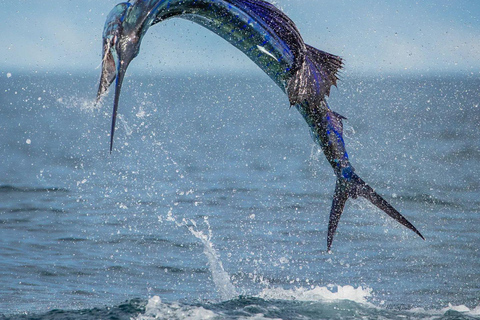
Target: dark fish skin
column 271, row 40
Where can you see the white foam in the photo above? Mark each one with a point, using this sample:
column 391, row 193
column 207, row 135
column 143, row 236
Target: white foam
column 258, row 317
column 474, row 312
column 156, row 309
column 347, row 292
column 461, row 308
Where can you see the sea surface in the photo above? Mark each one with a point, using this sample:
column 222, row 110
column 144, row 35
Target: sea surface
column 214, row 202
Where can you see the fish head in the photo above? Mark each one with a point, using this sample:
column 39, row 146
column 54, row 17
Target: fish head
column 111, row 33
column 122, row 36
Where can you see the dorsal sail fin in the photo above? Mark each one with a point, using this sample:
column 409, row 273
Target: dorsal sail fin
column 330, row 64
column 313, row 80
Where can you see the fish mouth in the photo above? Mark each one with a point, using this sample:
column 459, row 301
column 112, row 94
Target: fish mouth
column 121, row 44
column 126, row 48
column 123, row 51
column 110, row 72
column 121, row 69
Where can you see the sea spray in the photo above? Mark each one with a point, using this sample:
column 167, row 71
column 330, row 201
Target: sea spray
column 220, row 277
column 126, row 126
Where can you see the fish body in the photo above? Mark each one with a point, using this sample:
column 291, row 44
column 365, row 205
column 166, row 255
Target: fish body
column 271, row 40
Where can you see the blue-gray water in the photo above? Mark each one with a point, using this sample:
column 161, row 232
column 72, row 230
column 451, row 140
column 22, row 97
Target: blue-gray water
column 214, row 203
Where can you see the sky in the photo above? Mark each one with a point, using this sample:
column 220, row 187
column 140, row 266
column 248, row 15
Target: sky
column 373, row 36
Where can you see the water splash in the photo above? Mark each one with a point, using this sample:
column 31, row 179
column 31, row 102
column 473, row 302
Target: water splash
column 323, row 294
column 220, row 277
column 128, row 129
column 296, row 305
column 77, row 102
column 156, row 309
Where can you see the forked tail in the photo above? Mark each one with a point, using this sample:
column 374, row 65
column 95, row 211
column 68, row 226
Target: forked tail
column 352, row 188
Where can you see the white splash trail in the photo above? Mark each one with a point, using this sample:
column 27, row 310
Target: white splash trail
column 128, row 130
column 220, row 277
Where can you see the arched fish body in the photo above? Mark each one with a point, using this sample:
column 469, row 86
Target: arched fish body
column 271, row 40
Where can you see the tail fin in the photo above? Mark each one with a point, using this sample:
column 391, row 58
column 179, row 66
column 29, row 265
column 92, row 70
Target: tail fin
column 353, row 188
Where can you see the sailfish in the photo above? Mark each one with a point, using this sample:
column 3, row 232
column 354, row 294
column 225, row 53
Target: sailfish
column 271, row 40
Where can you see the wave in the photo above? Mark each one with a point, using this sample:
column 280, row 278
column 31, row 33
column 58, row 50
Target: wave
column 123, row 311
column 298, row 304
column 331, row 302
column 10, row 188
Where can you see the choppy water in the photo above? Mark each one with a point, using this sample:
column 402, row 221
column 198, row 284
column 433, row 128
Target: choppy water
column 214, row 203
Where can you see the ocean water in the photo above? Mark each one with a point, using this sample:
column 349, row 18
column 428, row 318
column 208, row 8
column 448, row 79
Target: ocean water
column 214, row 203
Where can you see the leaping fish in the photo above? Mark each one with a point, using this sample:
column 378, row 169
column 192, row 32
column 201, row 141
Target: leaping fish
column 271, row 40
